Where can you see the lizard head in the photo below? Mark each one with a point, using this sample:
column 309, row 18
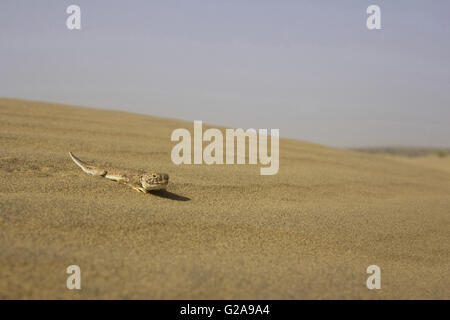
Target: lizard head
column 154, row 181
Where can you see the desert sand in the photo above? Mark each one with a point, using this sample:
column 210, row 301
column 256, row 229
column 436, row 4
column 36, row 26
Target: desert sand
column 221, row 231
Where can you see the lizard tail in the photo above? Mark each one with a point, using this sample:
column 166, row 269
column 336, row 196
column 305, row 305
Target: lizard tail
column 87, row 168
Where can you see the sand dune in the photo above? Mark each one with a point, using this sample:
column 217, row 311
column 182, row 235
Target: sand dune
column 221, row 231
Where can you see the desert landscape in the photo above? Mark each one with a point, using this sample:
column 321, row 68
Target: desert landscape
column 220, row 231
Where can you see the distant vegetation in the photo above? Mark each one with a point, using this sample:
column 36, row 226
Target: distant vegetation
column 443, row 153
column 407, row 151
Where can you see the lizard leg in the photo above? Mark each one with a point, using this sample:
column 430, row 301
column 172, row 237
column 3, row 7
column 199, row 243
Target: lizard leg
column 96, row 172
column 141, row 189
column 137, row 188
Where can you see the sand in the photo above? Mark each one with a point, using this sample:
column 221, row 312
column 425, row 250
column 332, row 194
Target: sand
column 223, row 232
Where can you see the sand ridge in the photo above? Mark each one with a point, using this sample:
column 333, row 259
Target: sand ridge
column 221, row 231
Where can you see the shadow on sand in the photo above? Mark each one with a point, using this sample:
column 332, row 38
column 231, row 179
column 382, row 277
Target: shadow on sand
column 169, row 195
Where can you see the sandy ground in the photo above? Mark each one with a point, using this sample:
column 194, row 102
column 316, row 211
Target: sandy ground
column 428, row 161
column 223, row 231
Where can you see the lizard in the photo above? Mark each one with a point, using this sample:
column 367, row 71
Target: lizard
column 142, row 182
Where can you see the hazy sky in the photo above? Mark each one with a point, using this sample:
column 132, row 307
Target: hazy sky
column 310, row 68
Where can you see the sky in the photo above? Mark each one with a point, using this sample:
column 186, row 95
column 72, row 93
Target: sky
column 309, row 68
